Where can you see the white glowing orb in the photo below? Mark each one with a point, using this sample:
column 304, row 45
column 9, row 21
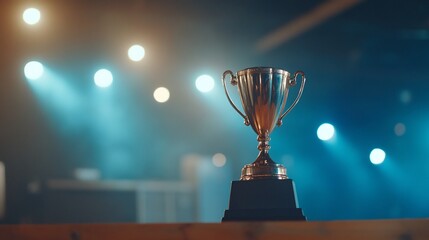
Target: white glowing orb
column 219, row 160
column 377, row 156
column 204, row 83
column 325, row 132
column 161, row 94
column 31, row 16
column 33, row 70
column 136, row 53
column 103, row 78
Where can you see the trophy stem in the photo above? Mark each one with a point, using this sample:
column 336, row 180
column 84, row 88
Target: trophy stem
column 263, row 146
column 263, row 167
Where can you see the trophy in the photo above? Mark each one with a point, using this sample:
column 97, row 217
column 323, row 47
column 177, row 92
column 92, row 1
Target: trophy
column 264, row 192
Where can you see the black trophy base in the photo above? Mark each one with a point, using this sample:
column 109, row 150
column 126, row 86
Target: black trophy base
column 263, row 200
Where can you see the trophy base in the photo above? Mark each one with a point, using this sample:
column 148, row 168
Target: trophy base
column 263, row 200
column 271, row 171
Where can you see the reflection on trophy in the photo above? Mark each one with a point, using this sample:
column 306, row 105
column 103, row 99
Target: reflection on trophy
column 264, row 191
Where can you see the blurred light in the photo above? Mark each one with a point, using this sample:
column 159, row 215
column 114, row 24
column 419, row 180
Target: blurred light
column 31, row 16
column 417, row 34
column 86, row 174
column 103, row 78
column 204, row 83
column 33, row 187
column 400, row 129
column 136, row 53
column 33, row 70
column 405, row 96
column 377, row 156
column 325, row 132
column 161, row 94
column 219, row 160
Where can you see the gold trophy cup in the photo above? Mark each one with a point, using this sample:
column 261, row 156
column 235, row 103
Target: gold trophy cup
column 263, row 92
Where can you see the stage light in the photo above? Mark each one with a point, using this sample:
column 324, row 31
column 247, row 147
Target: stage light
column 31, row 16
column 136, row 53
column 219, row 160
column 103, row 78
column 204, row 83
column 325, row 132
column 33, row 70
column 377, row 156
column 161, row 94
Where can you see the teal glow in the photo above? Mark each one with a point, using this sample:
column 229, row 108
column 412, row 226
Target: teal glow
column 33, row 70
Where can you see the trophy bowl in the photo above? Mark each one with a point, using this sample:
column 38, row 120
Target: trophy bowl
column 263, row 92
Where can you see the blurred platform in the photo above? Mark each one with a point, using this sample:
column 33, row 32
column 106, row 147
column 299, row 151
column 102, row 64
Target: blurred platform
column 374, row 229
column 201, row 194
column 73, row 201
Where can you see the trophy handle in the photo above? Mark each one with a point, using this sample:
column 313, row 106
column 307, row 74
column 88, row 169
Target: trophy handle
column 233, row 83
column 292, row 82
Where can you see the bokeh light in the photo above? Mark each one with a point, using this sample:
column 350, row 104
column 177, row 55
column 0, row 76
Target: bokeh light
column 219, row 160
column 400, row 129
column 204, row 83
column 103, row 78
column 136, row 53
column 33, row 70
column 31, row 16
column 161, row 94
column 405, row 96
column 377, row 156
column 325, row 132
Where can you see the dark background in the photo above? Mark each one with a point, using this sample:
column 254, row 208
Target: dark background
column 367, row 69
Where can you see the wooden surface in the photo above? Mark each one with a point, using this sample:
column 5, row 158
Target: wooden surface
column 344, row 230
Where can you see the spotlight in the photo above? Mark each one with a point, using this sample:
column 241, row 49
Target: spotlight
column 136, row 53
column 204, row 83
column 161, row 94
column 325, row 132
column 33, row 70
column 31, row 16
column 219, row 160
column 103, row 78
column 377, row 156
